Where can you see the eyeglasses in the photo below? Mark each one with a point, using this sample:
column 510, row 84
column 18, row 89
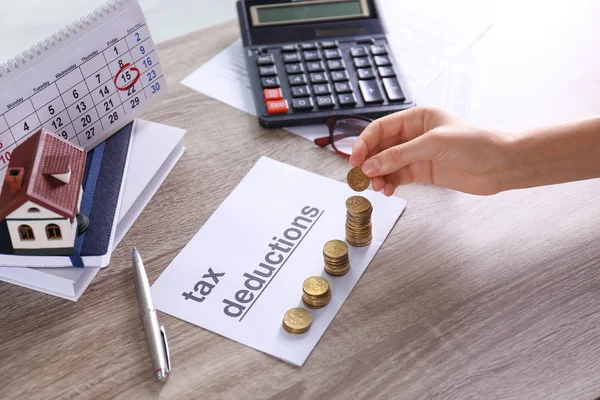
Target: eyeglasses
column 343, row 132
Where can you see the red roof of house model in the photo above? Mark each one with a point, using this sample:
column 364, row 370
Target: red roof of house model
column 42, row 156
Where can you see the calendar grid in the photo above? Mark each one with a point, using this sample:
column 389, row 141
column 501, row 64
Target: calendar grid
column 8, row 128
column 92, row 97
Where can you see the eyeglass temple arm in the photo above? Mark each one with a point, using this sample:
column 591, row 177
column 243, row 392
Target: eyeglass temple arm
column 327, row 140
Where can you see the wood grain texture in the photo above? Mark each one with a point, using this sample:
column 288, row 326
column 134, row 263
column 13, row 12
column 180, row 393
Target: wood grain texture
column 470, row 297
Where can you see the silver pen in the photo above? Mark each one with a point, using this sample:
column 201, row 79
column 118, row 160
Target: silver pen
column 155, row 334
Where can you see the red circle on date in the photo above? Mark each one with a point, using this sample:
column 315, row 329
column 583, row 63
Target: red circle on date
column 133, row 81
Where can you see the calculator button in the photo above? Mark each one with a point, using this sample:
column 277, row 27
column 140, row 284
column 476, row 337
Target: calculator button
column 294, row 68
column 385, row 72
column 300, row 91
column 370, row 91
column 297, row 79
column 358, row 51
column 318, row 77
column 272, row 94
column 308, row 46
column 361, row 62
column 291, row 57
column 325, row 101
column 336, row 64
column 343, row 87
column 378, row 49
column 337, row 76
column 267, row 71
column 305, row 103
column 271, row 82
column 312, row 55
column 347, row 99
column 366, row 73
column 329, row 44
column 288, row 48
column 333, row 53
column 322, row 89
column 393, row 90
column 315, row 66
column 265, row 60
column 277, row 107
column 382, row 60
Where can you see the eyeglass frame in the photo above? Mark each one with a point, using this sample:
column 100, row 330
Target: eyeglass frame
column 331, row 138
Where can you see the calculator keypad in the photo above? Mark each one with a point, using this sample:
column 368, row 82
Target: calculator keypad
column 295, row 68
column 328, row 74
column 271, row 82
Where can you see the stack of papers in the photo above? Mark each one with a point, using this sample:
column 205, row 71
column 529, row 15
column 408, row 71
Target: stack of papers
column 155, row 150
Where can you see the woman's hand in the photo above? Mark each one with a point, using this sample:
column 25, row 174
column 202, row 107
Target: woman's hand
column 427, row 145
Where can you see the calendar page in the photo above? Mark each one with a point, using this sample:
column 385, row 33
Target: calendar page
column 84, row 83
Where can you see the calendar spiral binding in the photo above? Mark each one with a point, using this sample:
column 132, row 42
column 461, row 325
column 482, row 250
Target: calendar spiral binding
column 12, row 65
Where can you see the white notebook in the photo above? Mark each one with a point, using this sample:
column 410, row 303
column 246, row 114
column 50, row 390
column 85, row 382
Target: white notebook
column 155, row 150
column 84, row 83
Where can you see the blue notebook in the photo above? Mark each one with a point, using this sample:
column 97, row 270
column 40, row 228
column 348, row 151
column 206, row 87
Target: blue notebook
column 103, row 182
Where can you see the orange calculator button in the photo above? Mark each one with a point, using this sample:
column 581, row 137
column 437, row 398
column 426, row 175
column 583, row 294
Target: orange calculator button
column 277, row 107
column 273, row 94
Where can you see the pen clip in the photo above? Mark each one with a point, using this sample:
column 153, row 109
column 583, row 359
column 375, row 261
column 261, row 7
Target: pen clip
column 163, row 335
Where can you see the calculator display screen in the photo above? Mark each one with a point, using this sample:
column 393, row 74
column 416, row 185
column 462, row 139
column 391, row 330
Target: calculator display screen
column 308, row 11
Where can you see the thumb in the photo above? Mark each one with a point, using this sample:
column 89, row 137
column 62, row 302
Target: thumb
column 397, row 157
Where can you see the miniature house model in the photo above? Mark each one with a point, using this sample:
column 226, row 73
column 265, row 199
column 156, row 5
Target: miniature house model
column 41, row 195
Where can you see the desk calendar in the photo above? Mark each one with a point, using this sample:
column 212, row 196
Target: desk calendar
column 84, row 83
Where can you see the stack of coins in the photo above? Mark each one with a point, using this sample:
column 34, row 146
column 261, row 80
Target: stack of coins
column 316, row 292
column 297, row 320
column 337, row 262
column 358, row 221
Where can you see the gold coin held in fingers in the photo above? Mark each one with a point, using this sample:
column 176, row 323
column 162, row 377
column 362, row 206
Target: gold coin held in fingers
column 297, row 320
column 335, row 249
column 357, row 180
column 315, row 286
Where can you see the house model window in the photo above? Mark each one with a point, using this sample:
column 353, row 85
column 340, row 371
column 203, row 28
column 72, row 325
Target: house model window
column 26, row 233
column 53, row 232
column 33, row 210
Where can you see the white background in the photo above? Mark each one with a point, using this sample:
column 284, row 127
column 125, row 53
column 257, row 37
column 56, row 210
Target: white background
column 24, row 23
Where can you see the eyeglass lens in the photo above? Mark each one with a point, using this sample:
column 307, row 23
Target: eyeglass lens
column 345, row 133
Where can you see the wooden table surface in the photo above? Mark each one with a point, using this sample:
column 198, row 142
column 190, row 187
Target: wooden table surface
column 470, row 297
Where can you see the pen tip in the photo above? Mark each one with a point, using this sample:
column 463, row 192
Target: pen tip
column 134, row 252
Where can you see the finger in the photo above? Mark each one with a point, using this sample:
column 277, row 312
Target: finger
column 400, row 156
column 406, row 124
column 389, row 189
column 400, row 177
column 378, row 183
column 359, row 153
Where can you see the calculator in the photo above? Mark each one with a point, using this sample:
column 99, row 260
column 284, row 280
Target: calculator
column 309, row 60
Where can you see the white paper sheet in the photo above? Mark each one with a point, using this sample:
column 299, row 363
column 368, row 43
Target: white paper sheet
column 273, row 202
column 156, row 149
column 427, row 36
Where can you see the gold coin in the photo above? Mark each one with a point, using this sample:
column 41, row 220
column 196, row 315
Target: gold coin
column 359, row 244
column 297, row 320
column 316, row 303
column 315, row 286
column 335, row 249
column 357, row 204
column 335, row 263
column 357, row 180
column 338, row 272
